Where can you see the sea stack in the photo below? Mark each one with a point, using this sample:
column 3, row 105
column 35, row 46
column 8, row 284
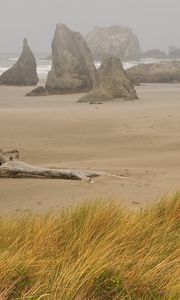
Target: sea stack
column 116, row 41
column 113, row 83
column 162, row 72
column 73, row 69
column 24, row 72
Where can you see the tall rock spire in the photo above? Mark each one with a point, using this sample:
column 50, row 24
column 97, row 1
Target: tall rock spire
column 24, row 72
column 73, row 69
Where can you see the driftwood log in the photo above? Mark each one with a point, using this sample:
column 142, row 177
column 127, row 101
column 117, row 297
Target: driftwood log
column 11, row 167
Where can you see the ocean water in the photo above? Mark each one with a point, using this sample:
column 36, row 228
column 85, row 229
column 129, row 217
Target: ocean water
column 7, row 60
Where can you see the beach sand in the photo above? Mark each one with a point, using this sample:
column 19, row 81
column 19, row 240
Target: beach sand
column 138, row 141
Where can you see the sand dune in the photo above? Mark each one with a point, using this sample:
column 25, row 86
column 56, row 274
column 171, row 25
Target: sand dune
column 139, row 140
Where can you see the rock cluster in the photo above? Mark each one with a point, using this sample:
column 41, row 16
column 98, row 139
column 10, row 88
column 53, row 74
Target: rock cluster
column 163, row 72
column 154, row 53
column 24, row 72
column 174, row 52
column 113, row 41
column 113, row 83
column 73, row 70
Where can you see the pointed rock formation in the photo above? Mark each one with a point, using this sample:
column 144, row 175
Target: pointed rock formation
column 113, row 83
column 24, row 72
column 73, row 70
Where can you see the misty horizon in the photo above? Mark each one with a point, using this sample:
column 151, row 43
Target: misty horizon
column 37, row 21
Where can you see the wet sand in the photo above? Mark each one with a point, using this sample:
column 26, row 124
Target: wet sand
column 139, row 140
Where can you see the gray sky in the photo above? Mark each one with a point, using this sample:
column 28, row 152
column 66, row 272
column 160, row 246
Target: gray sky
column 156, row 22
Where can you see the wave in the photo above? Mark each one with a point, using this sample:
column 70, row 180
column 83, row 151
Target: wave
column 13, row 58
column 44, row 65
column 43, row 60
column 126, row 65
column 3, row 69
column 43, row 70
column 130, row 64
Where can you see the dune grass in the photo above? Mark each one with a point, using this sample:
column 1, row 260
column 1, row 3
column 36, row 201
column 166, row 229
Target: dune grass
column 97, row 251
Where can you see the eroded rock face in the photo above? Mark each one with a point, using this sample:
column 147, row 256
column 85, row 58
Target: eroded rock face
column 24, row 72
column 73, row 69
column 95, row 96
column 113, row 83
column 115, row 41
column 163, row 72
column 39, row 91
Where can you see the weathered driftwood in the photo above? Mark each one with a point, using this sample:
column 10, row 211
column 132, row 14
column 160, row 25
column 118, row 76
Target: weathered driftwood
column 3, row 159
column 18, row 169
column 6, row 155
column 10, row 168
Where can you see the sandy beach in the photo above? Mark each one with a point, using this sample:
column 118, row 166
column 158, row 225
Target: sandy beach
column 136, row 140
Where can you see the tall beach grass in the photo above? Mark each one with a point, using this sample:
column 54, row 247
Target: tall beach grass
column 97, row 251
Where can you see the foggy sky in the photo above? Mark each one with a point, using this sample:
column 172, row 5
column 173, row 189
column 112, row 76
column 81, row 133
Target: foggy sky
column 156, row 22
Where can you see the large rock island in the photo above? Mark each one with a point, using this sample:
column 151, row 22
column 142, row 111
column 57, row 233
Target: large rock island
column 24, row 72
column 73, row 70
column 113, row 41
column 113, row 83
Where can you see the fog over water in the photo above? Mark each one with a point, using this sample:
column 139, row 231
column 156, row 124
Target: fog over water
column 156, row 22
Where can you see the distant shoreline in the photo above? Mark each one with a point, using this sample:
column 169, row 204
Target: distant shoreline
column 44, row 65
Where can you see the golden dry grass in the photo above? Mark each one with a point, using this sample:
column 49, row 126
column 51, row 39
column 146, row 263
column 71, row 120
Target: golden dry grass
column 97, row 251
